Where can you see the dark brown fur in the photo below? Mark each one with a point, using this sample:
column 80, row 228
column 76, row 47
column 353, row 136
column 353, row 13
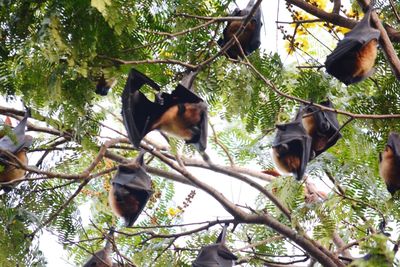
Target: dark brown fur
column 124, row 202
column 389, row 170
column 244, row 38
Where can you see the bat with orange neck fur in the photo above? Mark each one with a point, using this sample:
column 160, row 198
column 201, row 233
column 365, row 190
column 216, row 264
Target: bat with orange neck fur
column 354, row 57
column 291, row 148
column 17, row 146
column 321, row 125
column 389, row 163
column 181, row 113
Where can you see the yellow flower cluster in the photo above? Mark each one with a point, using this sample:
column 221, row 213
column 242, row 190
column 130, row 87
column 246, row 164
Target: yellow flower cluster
column 318, row 3
column 173, row 212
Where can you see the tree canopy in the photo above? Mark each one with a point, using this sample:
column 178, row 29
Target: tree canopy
column 54, row 52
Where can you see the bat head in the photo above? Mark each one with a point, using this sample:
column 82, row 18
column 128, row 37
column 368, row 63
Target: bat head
column 294, row 136
column 133, row 183
column 215, row 255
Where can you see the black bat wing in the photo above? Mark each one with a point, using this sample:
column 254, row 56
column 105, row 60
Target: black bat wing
column 294, row 132
column 137, row 181
column 214, row 256
column 255, row 41
column 201, row 144
column 22, row 140
column 343, row 47
column 138, row 112
column 394, row 144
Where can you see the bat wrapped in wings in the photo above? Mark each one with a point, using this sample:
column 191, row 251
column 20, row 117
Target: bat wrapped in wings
column 18, row 146
column 321, row 125
column 389, row 163
column 354, row 57
column 249, row 39
column 291, row 148
column 131, row 189
column 181, row 113
column 215, row 255
column 102, row 258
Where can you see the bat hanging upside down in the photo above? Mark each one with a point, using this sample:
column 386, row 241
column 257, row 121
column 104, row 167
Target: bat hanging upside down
column 11, row 172
column 102, row 258
column 389, row 163
column 354, row 57
column 291, row 148
column 181, row 113
column 321, row 125
column 130, row 191
column 249, row 39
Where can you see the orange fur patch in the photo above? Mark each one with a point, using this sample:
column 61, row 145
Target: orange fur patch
column 12, row 173
column 180, row 125
column 389, row 169
column 365, row 58
column 318, row 142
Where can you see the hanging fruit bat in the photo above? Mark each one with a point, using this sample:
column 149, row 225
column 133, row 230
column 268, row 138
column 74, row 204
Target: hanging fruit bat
column 181, row 113
column 18, row 146
column 291, row 148
column 389, row 163
column 321, row 126
column 103, row 85
column 216, row 255
column 354, row 57
column 249, row 39
column 131, row 189
column 102, row 258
